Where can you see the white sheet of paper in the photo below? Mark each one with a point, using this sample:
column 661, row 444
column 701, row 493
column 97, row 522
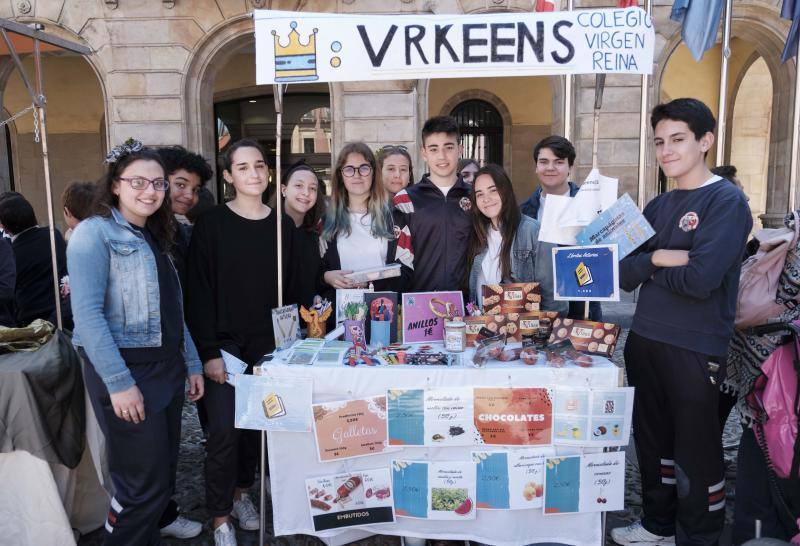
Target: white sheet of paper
column 602, row 482
column 596, row 194
column 233, row 367
column 550, row 230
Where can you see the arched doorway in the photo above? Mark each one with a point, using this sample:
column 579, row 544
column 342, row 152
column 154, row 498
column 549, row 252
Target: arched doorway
column 750, row 130
column 224, row 104
column 75, row 131
column 481, row 129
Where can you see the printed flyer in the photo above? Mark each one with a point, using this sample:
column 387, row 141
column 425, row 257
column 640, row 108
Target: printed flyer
column 511, row 480
column 586, row 273
column 585, row 483
column 350, row 500
column 345, row 296
column 285, row 325
column 513, row 417
column 266, row 402
column 435, row 490
column 621, row 224
column 352, row 428
column 432, row 417
column 424, row 314
column 585, row 417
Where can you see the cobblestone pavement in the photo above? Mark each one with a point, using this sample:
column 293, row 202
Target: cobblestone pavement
column 190, row 490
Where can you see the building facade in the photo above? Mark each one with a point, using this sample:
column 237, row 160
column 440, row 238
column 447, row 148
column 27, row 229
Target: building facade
column 183, row 72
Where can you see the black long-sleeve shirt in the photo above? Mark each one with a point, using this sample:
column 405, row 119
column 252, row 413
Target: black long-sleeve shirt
column 8, row 281
column 232, row 282
column 691, row 306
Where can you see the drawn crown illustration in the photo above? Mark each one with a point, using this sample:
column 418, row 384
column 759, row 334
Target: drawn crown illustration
column 295, row 47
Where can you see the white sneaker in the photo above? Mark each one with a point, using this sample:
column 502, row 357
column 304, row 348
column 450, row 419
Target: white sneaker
column 636, row 534
column 245, row 511
column 182, row 528
column 225, row 535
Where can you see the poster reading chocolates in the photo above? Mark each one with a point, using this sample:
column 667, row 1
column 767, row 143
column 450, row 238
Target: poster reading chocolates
column 513, row 417
column 424, row 314
column 511, row 480
column 350, row 500
column 434, row 490
column 352, row 428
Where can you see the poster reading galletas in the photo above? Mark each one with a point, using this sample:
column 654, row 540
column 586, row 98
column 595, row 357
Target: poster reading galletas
column 352, row 428
column 514, row 417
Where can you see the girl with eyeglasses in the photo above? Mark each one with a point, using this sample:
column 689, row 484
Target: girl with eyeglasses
column 232, row 287
column 359, row 231
column 129, row 330
column 394, row 169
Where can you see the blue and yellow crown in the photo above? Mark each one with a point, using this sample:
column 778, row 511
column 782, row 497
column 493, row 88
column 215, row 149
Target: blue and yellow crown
column 295, row 61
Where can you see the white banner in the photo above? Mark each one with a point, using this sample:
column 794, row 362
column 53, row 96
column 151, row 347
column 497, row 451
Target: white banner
column 326, row 47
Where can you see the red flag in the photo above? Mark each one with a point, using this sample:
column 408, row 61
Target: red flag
column 627, row 3
column 545, row 5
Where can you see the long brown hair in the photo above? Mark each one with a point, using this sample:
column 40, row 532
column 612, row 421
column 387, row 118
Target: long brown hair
column 388, row 151
column 509, row 220
column 161, row 223
column 337, row 219
column 312, row 218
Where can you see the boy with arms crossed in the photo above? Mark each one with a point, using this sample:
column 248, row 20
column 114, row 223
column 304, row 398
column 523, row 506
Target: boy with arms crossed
column 675, row 352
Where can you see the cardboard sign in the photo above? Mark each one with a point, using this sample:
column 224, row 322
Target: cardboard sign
column 597, row 417
column 436, row 490
column 621, row 224
column 349, row 500
column 353, row 428
column 513, row 417
column 585, row 483
column 586, row 336
column 511, row 480
column 586, row 273
column 267, row 402
column 327, row 47
column 424, row 314
column 381, row 322
column 510, row 298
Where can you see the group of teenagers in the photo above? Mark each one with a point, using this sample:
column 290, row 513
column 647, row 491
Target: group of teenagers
column 154, row 301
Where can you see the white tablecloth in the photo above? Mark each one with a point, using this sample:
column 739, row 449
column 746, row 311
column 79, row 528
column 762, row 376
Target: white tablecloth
column 293, row 455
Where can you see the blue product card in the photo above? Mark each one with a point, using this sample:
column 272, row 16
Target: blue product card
column 621, row 224
column 586, row 273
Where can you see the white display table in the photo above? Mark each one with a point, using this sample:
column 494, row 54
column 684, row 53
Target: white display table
column 293, row 456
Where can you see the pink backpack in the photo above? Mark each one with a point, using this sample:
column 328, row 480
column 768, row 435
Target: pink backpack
column 775, row 398
column 758, row 282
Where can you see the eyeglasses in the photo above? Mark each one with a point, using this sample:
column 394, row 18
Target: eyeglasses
column 141, row 183
column 349, row 171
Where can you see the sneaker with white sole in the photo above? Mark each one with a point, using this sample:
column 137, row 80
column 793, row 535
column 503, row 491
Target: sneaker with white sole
column 225, row 535
column 635, row 533
column 182, row 528
column 245, row 512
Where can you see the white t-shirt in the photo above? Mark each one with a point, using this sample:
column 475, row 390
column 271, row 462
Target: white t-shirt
column 361, row 250
column 490, row 266
column 445, row 189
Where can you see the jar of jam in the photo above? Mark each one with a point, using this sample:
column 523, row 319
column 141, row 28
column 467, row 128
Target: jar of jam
column 455, row 336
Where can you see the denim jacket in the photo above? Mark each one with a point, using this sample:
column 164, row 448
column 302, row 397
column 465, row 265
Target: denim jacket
column 115, row 297
column 531, row 261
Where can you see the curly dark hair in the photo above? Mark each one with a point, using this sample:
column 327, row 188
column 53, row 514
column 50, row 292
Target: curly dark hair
column 161, row 223
column 178, row 157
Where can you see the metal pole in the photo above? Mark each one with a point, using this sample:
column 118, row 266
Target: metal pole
column 795, row 135
column 723, row 84
column 40, row 112
column 643, row 128
column 568, row 81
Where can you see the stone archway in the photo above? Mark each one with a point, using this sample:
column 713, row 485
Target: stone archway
column 762, row 27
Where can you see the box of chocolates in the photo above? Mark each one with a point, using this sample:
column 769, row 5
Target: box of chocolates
column 526, row 324
column 586, row 336
column 494, row 323
column 510, row 298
